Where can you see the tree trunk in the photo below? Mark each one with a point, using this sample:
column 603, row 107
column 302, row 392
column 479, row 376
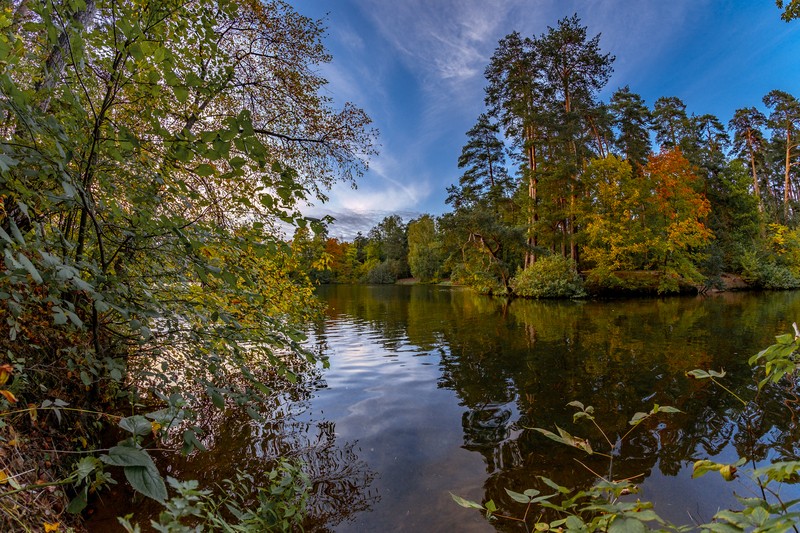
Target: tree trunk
column 533, row 185
column 786, row 183
column 756, row 188
column 54, row 64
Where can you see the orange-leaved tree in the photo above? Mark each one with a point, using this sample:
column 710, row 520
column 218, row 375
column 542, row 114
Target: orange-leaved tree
column 677, row 218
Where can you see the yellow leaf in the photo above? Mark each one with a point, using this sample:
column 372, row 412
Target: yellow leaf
column 728, row 472
column 155, row 425
column 8, row 396
column 3, row 477
column 5, row 373
column 48, row 527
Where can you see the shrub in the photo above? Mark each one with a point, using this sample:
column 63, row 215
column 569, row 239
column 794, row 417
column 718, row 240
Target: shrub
column 550, row 277
column 381, row 274
column 480, row 281
column 763, row 271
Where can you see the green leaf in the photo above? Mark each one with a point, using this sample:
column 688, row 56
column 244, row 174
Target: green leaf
column 553, row 485
column 147, row 480
column 85, row 467
column 78, row 503
column 637, row 417
column 466, row 503
column 574, row 523
column 517, row 497
column 204, row 170
column 565, row 438
column 181, row 93
column 127, row 456
column 191, row 441
column 59, row 318
column 5, row 236
column 698, row 374
column 137, row 425
column 627, row 525
column 75, row 319
column 704, row 466
column 26, row 263
column 15, row 231
column 216, row 398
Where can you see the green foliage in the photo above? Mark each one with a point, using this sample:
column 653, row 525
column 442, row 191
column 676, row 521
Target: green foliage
column 424, row 249
column 550, row 277
column 599, row 508
column 236, row 505
column 146, row 160
column 381, row 274
column 779, row 360
column 477, row 279
column 759, row 271
column 389, row 242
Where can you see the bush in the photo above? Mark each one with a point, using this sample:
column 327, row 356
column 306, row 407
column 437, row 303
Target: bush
column 382, row 274
column 550, row 277
column 763, row 271
column 480, row 281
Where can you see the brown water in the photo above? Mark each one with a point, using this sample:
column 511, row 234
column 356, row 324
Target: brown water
column 433, row 390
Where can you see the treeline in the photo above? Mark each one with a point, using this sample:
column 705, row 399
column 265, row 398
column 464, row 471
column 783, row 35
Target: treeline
column 591, row 195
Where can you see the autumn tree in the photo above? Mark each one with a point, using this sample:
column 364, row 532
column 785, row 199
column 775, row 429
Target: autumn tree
column 677, row 217
column 615, row 218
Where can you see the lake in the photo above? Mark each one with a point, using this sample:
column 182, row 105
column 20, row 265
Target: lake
column 434, row 390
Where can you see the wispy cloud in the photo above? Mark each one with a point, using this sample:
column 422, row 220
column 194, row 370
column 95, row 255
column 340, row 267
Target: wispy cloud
column 443, row 40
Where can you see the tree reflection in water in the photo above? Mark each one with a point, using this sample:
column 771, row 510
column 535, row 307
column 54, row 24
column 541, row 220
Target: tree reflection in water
column 516, row 365
column 620, row 357
column 508, row 367
column 340, row 481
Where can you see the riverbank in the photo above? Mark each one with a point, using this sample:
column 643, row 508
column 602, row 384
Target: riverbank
column 634, row 283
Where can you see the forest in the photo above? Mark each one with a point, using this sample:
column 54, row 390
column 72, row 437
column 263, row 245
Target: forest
column 563, row 192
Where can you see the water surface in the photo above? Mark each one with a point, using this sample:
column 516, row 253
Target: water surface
column 433, row 390
column 437, row 388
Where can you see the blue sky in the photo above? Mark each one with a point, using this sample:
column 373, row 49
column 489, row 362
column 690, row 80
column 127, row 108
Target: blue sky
column 416, row 67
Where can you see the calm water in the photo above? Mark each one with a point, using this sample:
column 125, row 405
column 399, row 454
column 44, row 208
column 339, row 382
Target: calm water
column 433, row 390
